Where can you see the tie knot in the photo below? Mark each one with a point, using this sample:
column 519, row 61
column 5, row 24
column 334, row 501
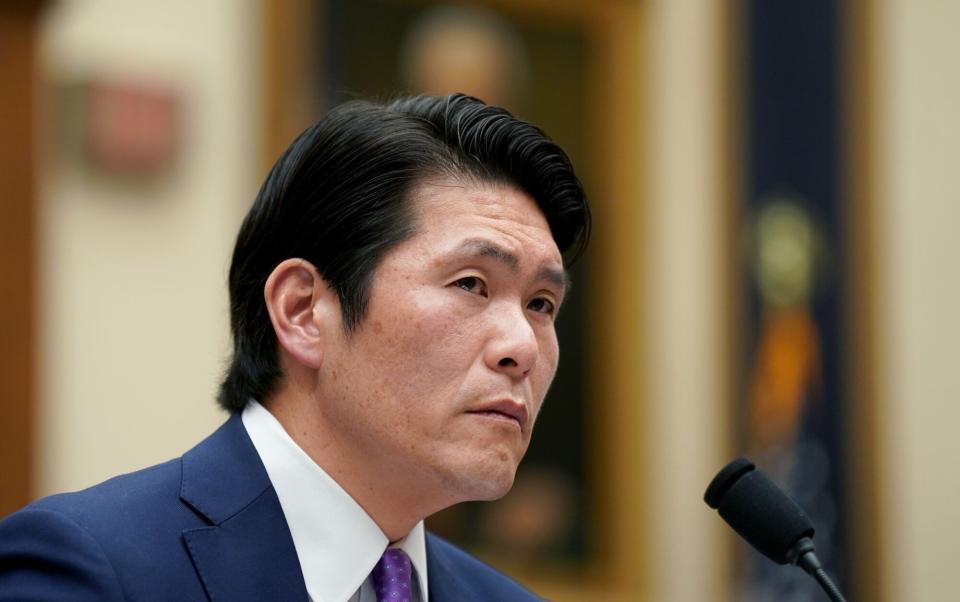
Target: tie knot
column 392, row 576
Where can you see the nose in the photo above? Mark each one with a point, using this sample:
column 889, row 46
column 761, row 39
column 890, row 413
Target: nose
column 513, row 349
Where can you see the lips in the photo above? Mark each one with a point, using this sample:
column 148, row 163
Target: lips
column 504, row 408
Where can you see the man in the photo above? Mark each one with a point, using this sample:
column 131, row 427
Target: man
column 393, row 294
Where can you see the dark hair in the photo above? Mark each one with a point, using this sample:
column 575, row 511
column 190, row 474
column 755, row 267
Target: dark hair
column 338, row 199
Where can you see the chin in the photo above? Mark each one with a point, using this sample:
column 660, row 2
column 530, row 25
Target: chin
column 493, row 490
column 482, row 483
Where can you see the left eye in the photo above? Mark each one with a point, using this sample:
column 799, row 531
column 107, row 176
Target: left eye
column 542, row 305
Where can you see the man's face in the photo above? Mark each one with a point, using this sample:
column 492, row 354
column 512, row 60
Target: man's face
column 442, row 380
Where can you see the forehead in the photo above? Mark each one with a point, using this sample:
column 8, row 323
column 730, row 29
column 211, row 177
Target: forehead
column 449, row 210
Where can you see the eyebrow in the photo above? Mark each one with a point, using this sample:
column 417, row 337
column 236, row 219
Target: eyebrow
column 485, row 248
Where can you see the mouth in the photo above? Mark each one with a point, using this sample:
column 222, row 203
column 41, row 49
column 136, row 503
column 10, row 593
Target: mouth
column 507, row 410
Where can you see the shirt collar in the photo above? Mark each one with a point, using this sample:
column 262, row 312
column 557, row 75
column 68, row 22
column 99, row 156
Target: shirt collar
column 337, row 542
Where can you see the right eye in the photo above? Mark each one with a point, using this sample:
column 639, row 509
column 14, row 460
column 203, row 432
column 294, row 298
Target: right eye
column 472, row 284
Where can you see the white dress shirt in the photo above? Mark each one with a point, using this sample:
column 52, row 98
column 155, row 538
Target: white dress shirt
column 337, row 542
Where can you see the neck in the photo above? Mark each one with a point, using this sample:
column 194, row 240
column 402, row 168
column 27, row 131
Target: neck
column 385, row 490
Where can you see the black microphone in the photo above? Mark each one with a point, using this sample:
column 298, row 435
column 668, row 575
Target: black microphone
column 767, row 518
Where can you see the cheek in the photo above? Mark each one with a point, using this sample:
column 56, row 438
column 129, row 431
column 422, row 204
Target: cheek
column 425, row 349
column 550, row 353
column 546, row 367
column 438, row 325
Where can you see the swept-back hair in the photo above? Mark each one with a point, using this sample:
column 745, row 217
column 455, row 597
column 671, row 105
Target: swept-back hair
column 339, row 197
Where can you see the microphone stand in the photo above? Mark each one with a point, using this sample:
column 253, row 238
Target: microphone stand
column 802, row 555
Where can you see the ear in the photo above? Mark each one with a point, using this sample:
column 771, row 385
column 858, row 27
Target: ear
column 302, row 309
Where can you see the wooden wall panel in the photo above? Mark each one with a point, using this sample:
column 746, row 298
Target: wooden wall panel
column 18, row 101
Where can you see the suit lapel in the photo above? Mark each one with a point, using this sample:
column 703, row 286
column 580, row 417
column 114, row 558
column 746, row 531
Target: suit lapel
column 443, row 580
column 246, row 552
column 248, row 557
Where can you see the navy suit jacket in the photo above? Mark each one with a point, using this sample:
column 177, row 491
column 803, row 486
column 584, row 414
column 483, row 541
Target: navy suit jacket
column 207, row 525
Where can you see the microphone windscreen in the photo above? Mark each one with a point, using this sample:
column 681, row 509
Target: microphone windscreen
column 758, row 510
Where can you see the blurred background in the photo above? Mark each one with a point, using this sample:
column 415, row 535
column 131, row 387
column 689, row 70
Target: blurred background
column 775, row 194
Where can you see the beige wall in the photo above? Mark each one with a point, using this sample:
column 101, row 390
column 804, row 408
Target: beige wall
column 687, row 429
column 918, row 266
column 134, row 328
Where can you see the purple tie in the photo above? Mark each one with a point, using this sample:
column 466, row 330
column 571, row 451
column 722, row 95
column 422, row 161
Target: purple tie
column 391, row 577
